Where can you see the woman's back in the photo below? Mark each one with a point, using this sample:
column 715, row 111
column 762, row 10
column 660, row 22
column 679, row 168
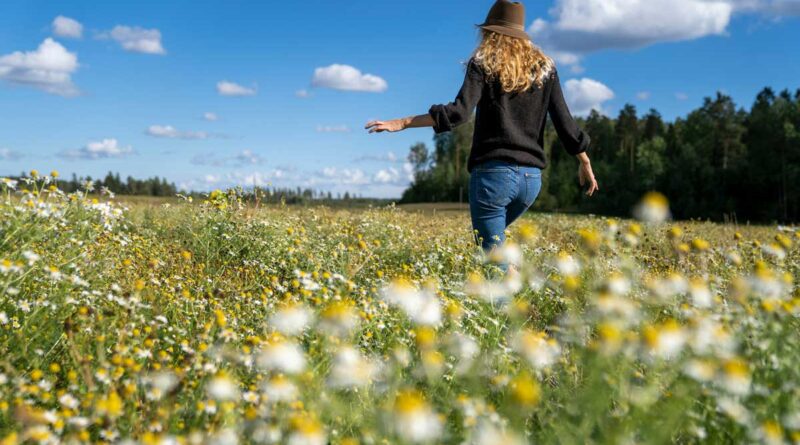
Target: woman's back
column 509, row 126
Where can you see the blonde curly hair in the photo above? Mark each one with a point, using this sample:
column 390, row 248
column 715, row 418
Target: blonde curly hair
column 517, row 63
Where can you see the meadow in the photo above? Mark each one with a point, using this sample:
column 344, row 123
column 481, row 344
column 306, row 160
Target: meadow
column 216, row 322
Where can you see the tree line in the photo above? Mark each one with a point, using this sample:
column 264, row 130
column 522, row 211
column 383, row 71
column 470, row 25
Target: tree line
column 719, row 162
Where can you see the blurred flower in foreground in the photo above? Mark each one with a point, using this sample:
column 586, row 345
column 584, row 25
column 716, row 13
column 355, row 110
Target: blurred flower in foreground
column 279, row 389
column 306, row 431
column 421, row 306
column 350, row 369
column 282, row 356
column 291, row 319
column 665, row 340
column 414, row 420
column 488, row 434
column 653, row 208
column 223, row 388
column 339, row 319
column 539, row 350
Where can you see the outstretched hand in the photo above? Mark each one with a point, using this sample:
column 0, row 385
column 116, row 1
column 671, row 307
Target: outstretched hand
column 586, row 176
column 391, row 126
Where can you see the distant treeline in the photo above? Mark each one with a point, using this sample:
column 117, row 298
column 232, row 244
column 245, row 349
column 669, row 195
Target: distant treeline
column 719, row 162
column 157, row 186
column 299, row 195
column 154, row 186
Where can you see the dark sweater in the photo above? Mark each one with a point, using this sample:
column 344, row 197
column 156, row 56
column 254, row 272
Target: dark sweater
column 510, row 126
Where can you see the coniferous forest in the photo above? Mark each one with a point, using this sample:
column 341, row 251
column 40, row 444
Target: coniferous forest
column 720, row 162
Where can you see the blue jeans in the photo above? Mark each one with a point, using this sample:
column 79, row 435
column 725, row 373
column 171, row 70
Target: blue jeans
column 499, row 193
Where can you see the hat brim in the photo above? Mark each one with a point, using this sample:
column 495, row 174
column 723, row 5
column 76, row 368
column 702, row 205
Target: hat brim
column 505, row 30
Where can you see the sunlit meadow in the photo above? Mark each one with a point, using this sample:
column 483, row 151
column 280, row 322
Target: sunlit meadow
column 223, row 323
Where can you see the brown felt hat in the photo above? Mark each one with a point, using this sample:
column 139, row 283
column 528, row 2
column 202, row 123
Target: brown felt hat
column 507, row 17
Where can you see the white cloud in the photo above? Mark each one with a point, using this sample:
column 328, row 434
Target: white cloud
column 643, row 95
column 336, row 176
column 681, row 96
column 48, row 68
column 225, row 88
column 768, row 7
column 243, row 158
column 302, row 94
column 107, row 148
column 236, row 179
column 170, row 132
column 248, row 157
column 579, row 27
column 389, row 182
column 394, row 176
column 333, row 129
column 347, row 78
column 8, row 154
column 585, row 95
column 388, row 157
column 136, row 39
column 67, row 27
column 211, row 117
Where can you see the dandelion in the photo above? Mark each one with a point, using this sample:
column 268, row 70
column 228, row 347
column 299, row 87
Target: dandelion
column 414, row 420
column 525, row 390
column 111, row 405
column 771, row 433
column 654, row 208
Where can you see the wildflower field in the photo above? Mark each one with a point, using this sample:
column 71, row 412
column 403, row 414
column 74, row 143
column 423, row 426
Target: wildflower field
column 216, row 322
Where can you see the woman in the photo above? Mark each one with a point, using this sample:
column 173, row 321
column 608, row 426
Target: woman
column 514, row 85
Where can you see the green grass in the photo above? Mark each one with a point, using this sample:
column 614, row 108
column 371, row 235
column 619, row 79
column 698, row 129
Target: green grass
column 159, row 322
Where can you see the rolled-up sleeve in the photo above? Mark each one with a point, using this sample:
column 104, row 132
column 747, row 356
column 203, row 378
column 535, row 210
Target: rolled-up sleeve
column 449, row 116
column 573, row 138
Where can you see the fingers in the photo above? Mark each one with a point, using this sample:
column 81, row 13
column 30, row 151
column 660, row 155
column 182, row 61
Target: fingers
column 371, row 124
column 592, row 188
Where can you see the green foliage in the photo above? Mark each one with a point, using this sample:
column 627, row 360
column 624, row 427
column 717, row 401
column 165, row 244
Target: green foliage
column 719, row 162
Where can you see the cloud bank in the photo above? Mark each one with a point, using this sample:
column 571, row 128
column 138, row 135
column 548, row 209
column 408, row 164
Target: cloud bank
column 104, row 149
column 48, row 68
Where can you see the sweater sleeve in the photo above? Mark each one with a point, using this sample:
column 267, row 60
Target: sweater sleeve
column 575, row 140
column 449, row 116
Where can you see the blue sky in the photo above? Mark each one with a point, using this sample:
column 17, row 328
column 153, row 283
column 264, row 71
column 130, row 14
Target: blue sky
column 217, row 93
